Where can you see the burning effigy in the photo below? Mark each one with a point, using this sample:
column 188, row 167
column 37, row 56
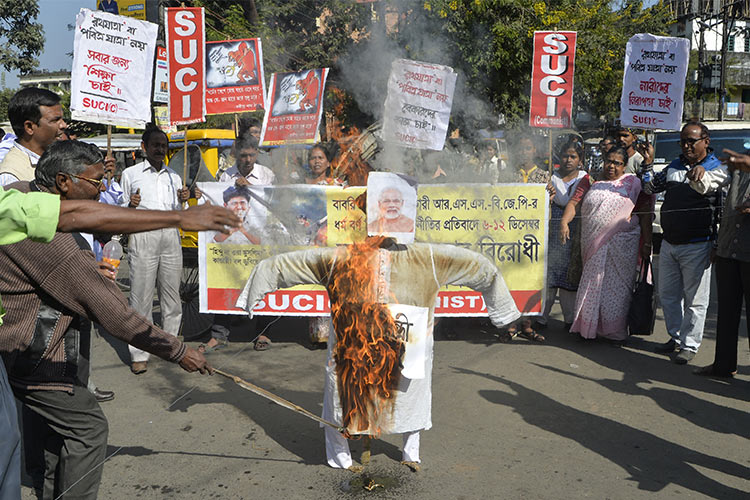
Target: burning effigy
column 382, row 293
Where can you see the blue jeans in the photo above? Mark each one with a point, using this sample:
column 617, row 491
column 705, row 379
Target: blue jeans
column 684, row 290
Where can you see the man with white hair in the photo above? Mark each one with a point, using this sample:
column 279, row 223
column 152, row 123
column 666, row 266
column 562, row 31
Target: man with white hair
column 390, row 218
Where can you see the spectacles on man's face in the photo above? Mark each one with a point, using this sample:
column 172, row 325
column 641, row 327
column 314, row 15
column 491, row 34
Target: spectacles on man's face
column 689, row 141
column 96, row 182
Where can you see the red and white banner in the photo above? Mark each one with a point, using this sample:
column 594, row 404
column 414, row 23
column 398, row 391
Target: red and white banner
column 552, row 79
column 235, row 82
column 295, row 109
column 186, row 61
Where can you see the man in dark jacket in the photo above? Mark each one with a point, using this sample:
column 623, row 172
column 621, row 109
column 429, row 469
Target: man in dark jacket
column 688, row 222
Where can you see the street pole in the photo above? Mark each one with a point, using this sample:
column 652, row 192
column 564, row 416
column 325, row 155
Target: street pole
column 722, row 75
column 701, row 67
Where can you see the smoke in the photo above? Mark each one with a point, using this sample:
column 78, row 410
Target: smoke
column 365, row 70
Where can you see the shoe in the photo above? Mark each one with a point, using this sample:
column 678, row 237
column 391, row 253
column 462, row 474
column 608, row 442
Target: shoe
column 102, row 396
column 666, row 348
column 683, row 357
column 139, row 367
column 708, row 371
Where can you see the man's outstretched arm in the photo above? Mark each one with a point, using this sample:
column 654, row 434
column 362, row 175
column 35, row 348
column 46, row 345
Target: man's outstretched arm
column 94, row 217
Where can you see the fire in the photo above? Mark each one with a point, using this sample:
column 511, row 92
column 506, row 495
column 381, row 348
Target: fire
column 368, row 351
column 355, row 146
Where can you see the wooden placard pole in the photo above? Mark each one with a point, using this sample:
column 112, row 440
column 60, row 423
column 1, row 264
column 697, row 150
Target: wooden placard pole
column 109, row 153
column 185, row 159
column 549, row 151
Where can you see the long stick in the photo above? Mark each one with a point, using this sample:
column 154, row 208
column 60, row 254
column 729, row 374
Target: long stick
column 185, row 160
column 109, row 152
column 277, row 399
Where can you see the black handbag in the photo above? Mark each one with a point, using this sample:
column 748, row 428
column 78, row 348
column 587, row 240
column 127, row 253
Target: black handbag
column 642, row 312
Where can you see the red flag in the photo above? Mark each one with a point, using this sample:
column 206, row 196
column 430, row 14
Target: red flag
column 552, row 79
column 185, row 32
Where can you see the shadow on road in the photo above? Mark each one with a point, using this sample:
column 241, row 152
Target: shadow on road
column 651, row 461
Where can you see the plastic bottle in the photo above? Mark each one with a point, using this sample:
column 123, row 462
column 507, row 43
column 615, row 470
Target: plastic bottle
column 112, row 253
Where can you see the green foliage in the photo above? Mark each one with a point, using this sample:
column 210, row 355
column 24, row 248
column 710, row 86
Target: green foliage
column 5, row 95
column 23, row 38
column 493, row 40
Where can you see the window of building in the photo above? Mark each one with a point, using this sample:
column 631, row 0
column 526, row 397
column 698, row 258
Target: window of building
column 747, row 44
column 730, row 43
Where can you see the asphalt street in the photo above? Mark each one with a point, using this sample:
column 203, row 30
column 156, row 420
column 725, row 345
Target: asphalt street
column 560, row 419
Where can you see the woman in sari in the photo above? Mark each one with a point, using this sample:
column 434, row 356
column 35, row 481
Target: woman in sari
column 610, row 234
column 565, row 181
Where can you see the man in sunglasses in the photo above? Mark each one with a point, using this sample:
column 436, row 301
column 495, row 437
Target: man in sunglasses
column 688, row 221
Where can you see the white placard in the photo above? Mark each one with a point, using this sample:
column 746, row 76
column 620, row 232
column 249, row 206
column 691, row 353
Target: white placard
column 653, row 86
column 113, row 58
column 418, row 106
column 412, row 328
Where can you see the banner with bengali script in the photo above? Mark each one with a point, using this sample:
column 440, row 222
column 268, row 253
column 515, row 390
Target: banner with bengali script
column 186, row 62
column 506, row 223
column 418, row 105
column 235, row 81
column 295, row 108
column 653, row 85
column 111, row 56
column 552, row 72
column 129, row 8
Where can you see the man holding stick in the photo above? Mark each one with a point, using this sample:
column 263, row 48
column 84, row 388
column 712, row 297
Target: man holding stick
column 46, row 361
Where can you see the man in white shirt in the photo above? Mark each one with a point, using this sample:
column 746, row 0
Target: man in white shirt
column 37, row 120
column 154, row 257
column 246, row 172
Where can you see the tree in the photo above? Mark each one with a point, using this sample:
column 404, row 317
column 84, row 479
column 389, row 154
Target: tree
column 492, row 43
column 23, row 38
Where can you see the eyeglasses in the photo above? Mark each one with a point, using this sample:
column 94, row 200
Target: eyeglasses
column 96, row 182
column 691, row 142
column 387, row 201
column 614, row 162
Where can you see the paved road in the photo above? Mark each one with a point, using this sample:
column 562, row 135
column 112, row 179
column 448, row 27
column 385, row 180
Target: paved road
column 556, row 420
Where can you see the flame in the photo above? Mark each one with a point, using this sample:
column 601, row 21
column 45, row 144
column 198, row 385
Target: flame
column 349, row 163
column 367, row 351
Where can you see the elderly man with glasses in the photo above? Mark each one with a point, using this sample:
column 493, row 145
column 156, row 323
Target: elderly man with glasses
column 688, row 221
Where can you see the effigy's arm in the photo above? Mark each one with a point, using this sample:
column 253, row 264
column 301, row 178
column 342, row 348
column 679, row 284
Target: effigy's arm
column 285, row 270
column 459, row 266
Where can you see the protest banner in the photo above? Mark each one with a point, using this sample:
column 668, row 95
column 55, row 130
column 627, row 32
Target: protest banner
column 185, row 33
column 552, row 72
column 653, row 85
column 295, row 109
column 111, row 55
column 235, row 81
column 418, row 105
column 161, row 76
column 130, row 8
column 506, row 223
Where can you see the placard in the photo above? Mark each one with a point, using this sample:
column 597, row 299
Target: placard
column 186, row 62
column 113, row 59
column 235, row 82
column 653, row 85
column 552, row 79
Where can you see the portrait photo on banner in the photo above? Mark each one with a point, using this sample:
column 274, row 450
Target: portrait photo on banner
column 391, row 206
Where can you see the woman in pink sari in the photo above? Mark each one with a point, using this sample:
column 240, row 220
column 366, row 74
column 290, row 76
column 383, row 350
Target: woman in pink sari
column 610, row 235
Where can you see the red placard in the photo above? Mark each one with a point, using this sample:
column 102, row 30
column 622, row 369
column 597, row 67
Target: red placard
column 296, row 105
column 235, row 82
column 185, row 32
column 552, row 79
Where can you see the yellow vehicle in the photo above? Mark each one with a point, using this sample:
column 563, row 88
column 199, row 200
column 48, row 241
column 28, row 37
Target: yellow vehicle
column 215, row 146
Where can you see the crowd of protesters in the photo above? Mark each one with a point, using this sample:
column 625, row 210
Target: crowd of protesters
column 601, row 209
